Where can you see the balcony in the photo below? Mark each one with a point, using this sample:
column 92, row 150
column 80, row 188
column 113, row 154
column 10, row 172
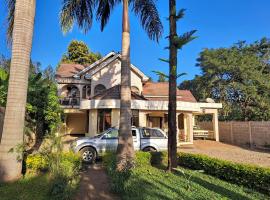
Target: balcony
column 70, row 102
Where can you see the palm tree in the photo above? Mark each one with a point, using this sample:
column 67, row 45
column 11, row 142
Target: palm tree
column 176, row 42
column 81, row 12
column 22, row 32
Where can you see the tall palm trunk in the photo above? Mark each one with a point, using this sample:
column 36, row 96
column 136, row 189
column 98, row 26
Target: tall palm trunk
column 125, row 151
column 172, row 132
column 10, row 167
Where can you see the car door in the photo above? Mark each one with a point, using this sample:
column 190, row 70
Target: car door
column 136, row 139
column 110, row 140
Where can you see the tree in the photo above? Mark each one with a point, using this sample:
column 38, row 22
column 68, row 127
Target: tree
column 81, row 12
column 238, row 77
column 17, row 88
column 175, row 42
column 162, row 78
column 78, row 52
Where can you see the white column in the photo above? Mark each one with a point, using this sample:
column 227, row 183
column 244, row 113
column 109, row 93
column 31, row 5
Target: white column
column 177, row 130
column 190, row 126
column 142, row 119
column 215, row 125
column 115, row 117
column 92, row 122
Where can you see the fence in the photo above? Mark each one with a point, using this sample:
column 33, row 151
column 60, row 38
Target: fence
column 251, row 133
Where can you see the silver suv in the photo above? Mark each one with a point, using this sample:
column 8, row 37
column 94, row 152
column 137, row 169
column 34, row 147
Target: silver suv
column 145, row 139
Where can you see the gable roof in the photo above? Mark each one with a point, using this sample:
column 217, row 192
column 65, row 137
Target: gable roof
column 106, row 60
column 68, row 70
column 114, row 93
column 160, row 91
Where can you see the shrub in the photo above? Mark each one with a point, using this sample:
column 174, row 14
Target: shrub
column 242, row 174
column 36, row 162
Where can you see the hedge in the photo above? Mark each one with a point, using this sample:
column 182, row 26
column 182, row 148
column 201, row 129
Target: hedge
column 242, row 174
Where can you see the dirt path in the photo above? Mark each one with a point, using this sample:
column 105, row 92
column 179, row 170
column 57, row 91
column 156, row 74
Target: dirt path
column 95, row 184
column 228, row 152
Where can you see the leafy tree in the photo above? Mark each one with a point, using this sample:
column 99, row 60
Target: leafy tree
column 78, row 52
column 81, row 13
column 238, row 77
column 162, row 78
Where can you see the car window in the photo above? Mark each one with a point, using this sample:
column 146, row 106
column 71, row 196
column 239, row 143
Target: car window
column 151, row 133
column 111, row 134
column 134, row 134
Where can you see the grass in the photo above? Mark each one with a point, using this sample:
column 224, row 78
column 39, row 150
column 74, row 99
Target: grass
column 148, row 182
column 35, row 187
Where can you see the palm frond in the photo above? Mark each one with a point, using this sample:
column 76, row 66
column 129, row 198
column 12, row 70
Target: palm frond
column 159, row 73
column 180, row 41
column 77, row 11
column 149, row 16
column 104, row 11
column 180, row 14
column 10, row 19
column 180, row 75
column 164, row 60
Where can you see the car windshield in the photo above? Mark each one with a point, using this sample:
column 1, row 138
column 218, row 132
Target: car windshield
column 152, row 133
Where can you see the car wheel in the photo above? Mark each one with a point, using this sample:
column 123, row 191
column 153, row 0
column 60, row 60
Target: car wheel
column 88, row 155
column 149, row 149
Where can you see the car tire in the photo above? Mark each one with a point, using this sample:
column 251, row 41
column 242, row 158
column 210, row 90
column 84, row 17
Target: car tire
column 149, row 149
column 88, row 155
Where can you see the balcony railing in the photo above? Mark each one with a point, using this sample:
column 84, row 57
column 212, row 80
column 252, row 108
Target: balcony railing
column 70, row 101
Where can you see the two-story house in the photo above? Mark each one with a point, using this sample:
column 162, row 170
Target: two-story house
column 90, row 97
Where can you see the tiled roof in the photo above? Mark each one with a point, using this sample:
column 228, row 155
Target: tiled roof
column 160, row 91
column 68, row 70
column 114, row 93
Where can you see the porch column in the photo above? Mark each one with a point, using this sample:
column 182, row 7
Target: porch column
column 142, row 119
column 92, row 123
column 115, row 117
column 215, row 125
column 190, row 126
column 177, row 129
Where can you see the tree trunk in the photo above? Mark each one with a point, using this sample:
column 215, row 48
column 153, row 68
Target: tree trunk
column 125, row 150
column 172, row 132
column 10, row 167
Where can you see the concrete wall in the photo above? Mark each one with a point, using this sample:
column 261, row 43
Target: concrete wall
column 242, row 133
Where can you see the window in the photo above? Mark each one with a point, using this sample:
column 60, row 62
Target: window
column 99, row 88
column 135, row 89
column 86, row 91
column 113, row 134
column 135, row 118
column 134, row 133
column 152, row 133
column 104, row 120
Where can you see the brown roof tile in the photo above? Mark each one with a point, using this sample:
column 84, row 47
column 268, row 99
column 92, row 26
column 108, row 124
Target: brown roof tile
column 160, row 91
column 68, row 70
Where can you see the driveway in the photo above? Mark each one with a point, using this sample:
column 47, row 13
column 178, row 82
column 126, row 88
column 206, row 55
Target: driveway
column 228, row 152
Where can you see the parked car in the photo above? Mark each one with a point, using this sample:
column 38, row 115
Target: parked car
column 145, row 139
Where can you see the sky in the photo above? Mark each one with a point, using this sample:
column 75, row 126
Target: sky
column 218, row 23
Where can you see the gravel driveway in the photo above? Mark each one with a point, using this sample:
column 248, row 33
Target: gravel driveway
column 228, row 152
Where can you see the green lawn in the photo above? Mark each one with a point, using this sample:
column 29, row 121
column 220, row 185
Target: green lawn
column 146, row 182
column 29, row 188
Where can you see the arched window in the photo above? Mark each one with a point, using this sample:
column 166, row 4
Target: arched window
column 135, row 89
column 86, row 91
column 73, row 91
column 99, row 88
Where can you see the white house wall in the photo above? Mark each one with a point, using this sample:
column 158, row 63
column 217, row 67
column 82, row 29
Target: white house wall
column 110, row 76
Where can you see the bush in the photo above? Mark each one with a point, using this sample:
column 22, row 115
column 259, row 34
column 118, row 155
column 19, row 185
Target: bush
column 247, row 175
column 36, row 162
